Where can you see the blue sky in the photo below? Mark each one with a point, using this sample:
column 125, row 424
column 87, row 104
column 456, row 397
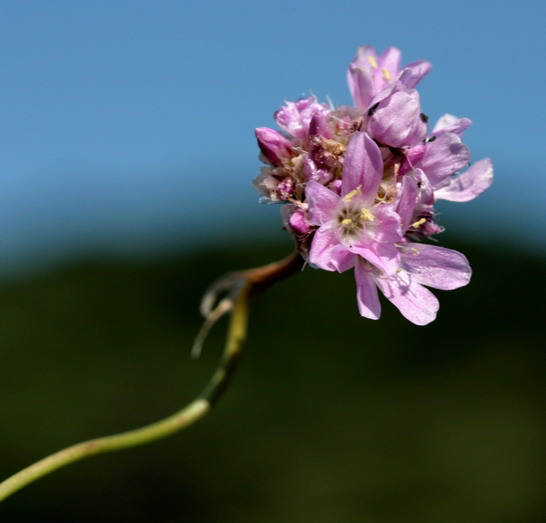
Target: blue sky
column 129, row 124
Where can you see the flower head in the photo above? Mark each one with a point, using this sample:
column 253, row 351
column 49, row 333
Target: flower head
column 359, row 184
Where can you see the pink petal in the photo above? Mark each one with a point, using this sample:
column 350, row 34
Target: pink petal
column 366, row 292
column 390, row 61
column 324, row 241
column 360, row 86
column 386, row 226
column 406, row 201
column 362, row 56
column 443, row 157
column 416, row 303
column 469, row 184
column 412, row 158
column 384, row 256
column 360, row 78
column 436, row 267
column 451, row 124
column 415, row 72
column 318, row 126
column 327, row 253
column 322, row 202
column 397, row 121
column 342, row 259
column 363, row 167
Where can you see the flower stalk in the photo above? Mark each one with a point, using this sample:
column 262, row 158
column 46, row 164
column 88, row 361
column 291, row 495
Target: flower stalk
column 241, row 286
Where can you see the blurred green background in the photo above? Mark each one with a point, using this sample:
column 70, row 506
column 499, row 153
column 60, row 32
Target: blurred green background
column 331, row 418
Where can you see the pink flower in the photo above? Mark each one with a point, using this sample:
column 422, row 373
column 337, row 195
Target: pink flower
column 421, row 265
column 443, row 156
column 354, row 224
column 359, row 185
column 368, row 74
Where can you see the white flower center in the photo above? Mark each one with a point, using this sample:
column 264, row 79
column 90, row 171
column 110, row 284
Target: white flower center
column 351, row 219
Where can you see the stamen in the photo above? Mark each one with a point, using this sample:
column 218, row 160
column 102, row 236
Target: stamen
column 386, row 75
column 366, row 215
column 418, row 223
column 349, row 196
column 372, row 61
column 347, row 221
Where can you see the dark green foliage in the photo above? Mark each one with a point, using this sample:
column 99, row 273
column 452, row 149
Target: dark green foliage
column 332, row 418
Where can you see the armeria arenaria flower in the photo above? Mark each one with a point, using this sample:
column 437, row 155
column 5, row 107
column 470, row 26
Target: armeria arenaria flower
column 359, row 184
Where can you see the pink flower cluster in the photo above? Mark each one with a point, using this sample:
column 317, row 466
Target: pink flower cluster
column 359, row 184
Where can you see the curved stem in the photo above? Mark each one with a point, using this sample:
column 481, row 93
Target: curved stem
column 241, row 286
column 165, row 427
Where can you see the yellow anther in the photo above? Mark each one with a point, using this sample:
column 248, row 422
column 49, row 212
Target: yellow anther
column 366, row 215
column 372, row 61
column 349, row 196
column 386, row 75
column 347, row 221
column 418, row 223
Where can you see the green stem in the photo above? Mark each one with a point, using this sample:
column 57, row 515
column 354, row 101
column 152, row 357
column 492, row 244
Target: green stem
column 161, row 429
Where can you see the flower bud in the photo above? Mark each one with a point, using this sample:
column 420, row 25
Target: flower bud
column 274, row 146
